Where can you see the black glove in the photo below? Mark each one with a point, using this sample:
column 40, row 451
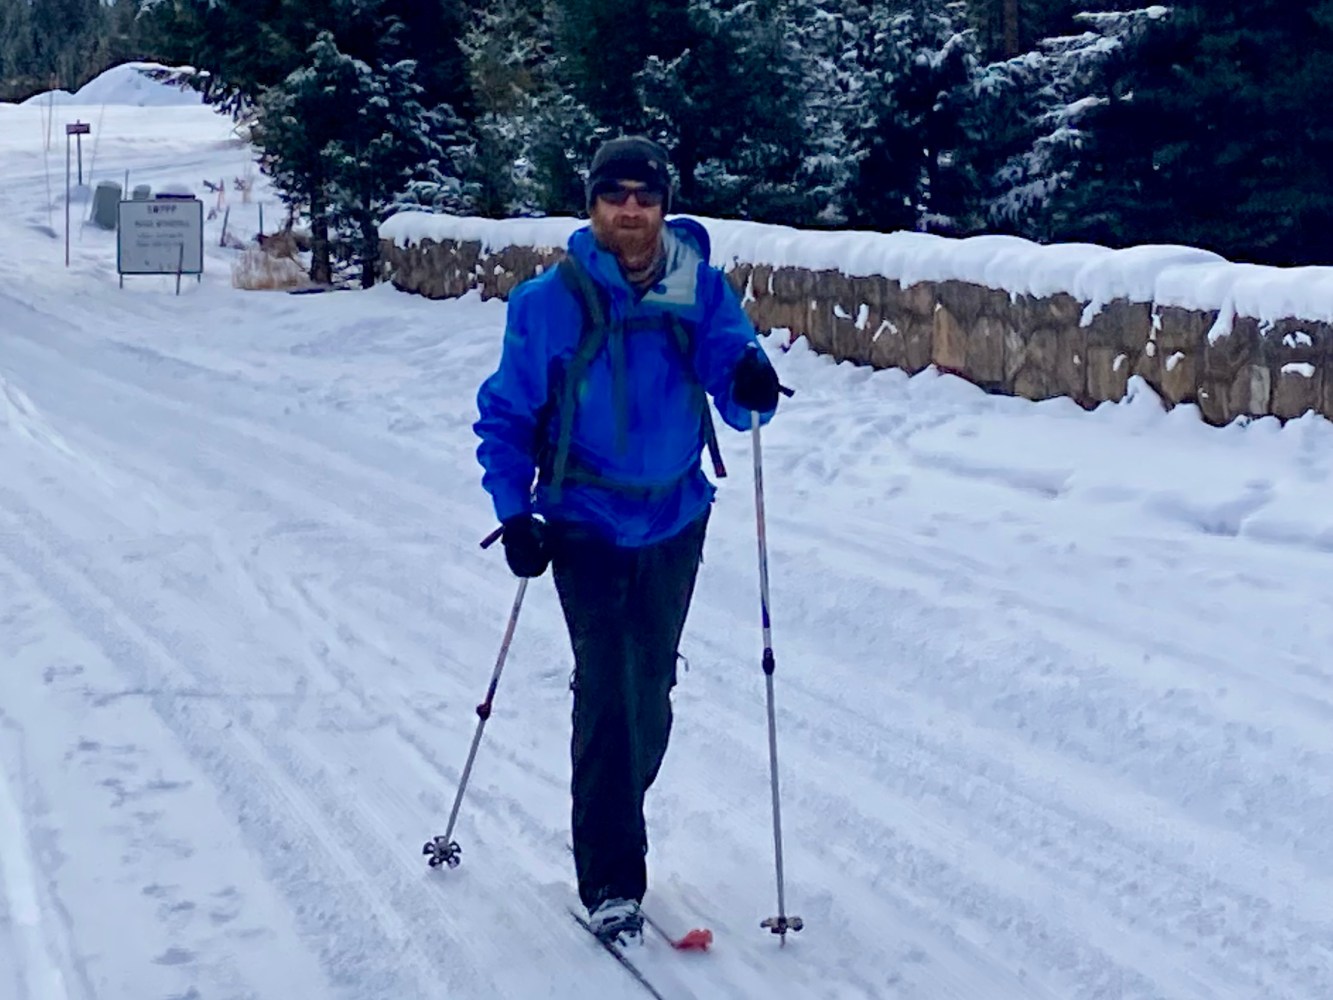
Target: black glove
column 754, row 384
column 525, row 545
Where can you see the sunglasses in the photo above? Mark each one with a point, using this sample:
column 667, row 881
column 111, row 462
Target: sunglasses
column 646, row 197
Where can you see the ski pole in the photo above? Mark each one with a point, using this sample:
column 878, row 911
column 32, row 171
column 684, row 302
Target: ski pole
column 781, row 923
column 443, row 849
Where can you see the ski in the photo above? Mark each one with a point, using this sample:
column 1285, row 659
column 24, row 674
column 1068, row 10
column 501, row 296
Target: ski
column 698, row 939
column 619, row 955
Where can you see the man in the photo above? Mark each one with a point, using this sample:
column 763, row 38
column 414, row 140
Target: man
column 600, row 397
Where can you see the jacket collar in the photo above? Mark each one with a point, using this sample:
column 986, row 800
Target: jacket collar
column 677, row 291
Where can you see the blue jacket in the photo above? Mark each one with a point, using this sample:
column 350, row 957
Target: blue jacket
column 663, row 442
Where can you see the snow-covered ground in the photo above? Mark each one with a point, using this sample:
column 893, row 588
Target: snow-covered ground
column 1055, row 699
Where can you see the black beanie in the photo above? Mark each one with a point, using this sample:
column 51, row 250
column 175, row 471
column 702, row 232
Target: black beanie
column 630, row 158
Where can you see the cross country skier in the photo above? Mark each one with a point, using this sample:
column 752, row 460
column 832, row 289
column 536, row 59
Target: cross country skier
column 600, row 398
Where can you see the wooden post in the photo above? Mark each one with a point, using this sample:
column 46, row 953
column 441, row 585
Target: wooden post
column 67, row 196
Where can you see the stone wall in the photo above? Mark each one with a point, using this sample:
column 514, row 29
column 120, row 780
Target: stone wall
column 1035, row 347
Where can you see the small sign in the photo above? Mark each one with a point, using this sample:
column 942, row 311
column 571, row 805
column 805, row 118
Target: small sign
column 78, row 128
column 163, row 236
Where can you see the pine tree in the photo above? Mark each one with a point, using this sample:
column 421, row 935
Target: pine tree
column 242, row 47
column 601, row 46
column 432, row 35
column 386, row 140
column 1007, row 29
column 350, row 139
column 827, row 38
column 739, row 151
column 509, row 53
column 560, row 140
column 247, row 46
column 1027, row 117
column 1214, row 137
column 912, row 174
column 18, row 67
column 292, row 126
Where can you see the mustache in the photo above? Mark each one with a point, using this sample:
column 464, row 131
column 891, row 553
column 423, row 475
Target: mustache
column 634, row 237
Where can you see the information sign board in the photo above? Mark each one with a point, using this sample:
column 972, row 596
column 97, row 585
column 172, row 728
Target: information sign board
column 161, row 236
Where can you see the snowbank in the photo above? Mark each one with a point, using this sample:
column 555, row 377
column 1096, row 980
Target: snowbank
column 131, row 84
column 1166, row 275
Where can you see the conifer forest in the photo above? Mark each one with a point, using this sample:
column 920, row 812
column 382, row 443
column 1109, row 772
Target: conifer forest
column 1201, row 122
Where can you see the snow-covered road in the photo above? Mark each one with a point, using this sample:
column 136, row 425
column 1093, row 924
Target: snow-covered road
column 1054, row 688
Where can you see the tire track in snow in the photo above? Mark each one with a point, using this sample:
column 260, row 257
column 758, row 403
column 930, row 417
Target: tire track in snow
column 296, row 485
column 1131, row 878
column 290, row 486
column 43, row 954
column 295, row 481
column 285, row 807
column 1127, row 704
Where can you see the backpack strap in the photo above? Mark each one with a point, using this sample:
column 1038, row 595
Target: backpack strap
column 685, row 344
column 599, row 332
column 590, row 343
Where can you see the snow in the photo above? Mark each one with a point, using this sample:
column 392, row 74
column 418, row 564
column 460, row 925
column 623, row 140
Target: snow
column 1185, row 277
column 1053, row 687
column 127, row 84
column 1301, row 368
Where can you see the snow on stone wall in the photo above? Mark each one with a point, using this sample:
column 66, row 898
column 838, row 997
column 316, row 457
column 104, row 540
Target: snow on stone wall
column 1012, row 316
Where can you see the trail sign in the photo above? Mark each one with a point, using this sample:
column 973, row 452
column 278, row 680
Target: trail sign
column 78, row 130
column 162, row 236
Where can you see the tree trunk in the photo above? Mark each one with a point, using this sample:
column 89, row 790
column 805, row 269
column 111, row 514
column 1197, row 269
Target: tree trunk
column 321, row 270
column 370, row 250
column 1012, row 35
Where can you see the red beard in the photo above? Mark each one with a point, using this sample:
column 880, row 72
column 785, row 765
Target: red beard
column 635, row 243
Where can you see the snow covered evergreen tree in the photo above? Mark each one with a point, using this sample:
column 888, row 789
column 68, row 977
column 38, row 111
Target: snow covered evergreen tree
column 1027, row 118
column 1215, row 136
column 601, row 46
column 246, row 46
column 348, row 139
column 561, row 136
column 912, row 174
column 1007, row 29
column 387, row 143
column 753, row 110
column 510, row 58
column 828, row 36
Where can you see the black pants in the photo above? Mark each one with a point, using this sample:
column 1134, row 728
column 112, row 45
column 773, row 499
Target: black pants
column 625, row 609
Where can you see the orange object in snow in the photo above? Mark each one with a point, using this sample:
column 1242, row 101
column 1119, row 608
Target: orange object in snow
column 696, row 940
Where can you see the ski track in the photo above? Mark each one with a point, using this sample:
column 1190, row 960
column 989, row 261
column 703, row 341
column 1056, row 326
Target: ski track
column 240, row 578
column 283, row 768
column 39, row 954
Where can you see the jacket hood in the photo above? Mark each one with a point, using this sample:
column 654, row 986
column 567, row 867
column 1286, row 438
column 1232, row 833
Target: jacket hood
column 686, row 244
